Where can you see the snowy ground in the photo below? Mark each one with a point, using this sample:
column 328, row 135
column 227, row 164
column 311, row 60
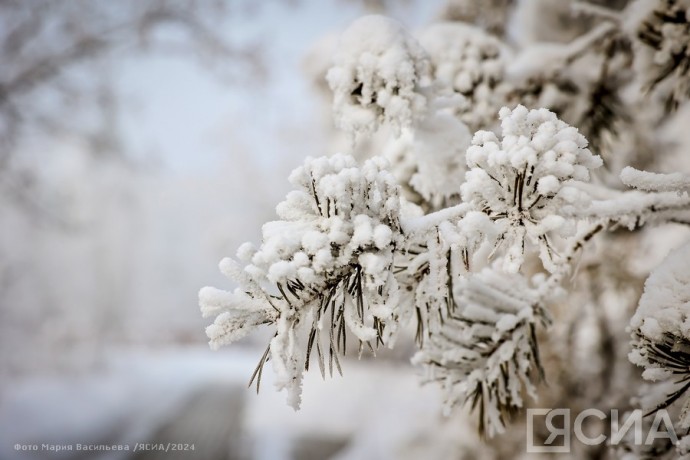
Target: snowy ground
column 201, row 397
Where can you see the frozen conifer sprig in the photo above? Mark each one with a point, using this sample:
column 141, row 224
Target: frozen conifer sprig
column 324, row 270
column 665, row 32
column 342, row 261
column 633, row 209
column 378, row 77
column 428, row 268
column 524, row 181
column 661, row 332
column 471, row 62
column 336, row 260
column 351, row 259
column 486, row 353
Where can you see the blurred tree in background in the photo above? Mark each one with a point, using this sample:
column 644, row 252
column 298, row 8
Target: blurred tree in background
column 70, row 179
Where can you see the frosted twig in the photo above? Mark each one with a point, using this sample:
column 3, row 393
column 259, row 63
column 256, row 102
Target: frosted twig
column 420, row 225
column 598, row 11
column 634, row 209
column 582, row 44
column 565, row 267
column 655, row 182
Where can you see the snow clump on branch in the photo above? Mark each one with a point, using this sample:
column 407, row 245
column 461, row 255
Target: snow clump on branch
column 663, row 33
column 329, row 259
column 471, row 63
column 487, row 353
column 661, row 331
column 378, row 74
column 523, row 180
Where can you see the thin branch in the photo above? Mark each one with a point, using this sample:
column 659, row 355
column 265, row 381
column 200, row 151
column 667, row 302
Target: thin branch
column 424, row 224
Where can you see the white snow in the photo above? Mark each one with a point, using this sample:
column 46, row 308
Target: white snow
column 649, row 181
column 377, row 72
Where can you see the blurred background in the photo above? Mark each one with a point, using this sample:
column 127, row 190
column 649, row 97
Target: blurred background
column 140, row 143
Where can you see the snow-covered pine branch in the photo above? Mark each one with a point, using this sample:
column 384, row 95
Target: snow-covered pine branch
column 429, row 156
column 486, row 353
column 661, row 334
column 523, row 181
column 661, row 31
column 633, row 209
column 323, row 270
column 379, row 76
column 344, row 259
column 471, row 63
column 467, row 239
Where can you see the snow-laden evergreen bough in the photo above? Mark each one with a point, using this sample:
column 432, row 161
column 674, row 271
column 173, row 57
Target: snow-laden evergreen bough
column 344, row 249
column 323, row 270
column 465, row 242
column 379, row 76
column 472, row 63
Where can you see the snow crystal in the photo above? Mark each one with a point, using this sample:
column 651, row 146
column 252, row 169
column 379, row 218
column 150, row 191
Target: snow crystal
column 231, row 326
column 313, row 241
column 548, row 185
column 656, row 374
column 383, row 236
column 245, row 252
